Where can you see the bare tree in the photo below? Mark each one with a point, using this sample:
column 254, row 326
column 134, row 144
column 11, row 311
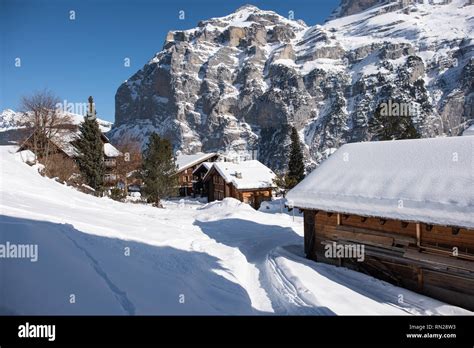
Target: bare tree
column 44, row 120
column 61, row 167
column 129, row 164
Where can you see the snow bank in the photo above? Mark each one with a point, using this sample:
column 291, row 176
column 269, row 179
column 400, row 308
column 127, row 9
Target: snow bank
column 124, row 258
column 26, row 156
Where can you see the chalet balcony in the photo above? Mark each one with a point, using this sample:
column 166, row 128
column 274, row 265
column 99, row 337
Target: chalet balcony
column 110, row 163
column 110, row 178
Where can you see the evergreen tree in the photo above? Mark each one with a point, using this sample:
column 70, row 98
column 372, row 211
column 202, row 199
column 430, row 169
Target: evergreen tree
column 295, row 163
column 159, row 169
column 91, row 153
column 286, row 181
column 388, row 127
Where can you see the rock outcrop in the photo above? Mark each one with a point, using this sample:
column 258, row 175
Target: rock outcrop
column 238, row 83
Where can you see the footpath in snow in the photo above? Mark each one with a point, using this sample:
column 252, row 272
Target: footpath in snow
column 98, row 256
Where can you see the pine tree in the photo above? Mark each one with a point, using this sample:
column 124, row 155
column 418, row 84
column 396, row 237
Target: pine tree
column 91, row 153
column 158, row 170
column 295, row 163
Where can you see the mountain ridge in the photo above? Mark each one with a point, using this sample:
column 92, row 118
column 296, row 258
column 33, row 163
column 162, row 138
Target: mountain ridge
column 239, row 82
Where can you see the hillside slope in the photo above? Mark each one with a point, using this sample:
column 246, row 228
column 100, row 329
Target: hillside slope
column 124, row 258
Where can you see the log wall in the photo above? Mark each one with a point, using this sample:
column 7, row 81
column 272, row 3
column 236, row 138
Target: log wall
column 434, row 260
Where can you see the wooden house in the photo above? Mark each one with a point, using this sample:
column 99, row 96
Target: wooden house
column 409, row 203
column 186, row 165
column 63, row 141
column 248, row 181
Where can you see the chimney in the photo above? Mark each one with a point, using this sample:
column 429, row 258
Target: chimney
column 91, row 114
column 238, row 175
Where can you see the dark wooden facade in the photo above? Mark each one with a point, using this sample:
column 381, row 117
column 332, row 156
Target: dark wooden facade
column 219, row 189
column 434, row 260
column 199, row 187
column 187, row 179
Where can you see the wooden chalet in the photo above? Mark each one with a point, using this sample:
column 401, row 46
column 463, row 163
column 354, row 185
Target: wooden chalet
column 248, row 181
column 63, row 140
column 187, row 164
column 410, row 203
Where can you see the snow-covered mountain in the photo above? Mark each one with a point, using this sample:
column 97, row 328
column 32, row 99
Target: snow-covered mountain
column 10, row 119
column 239, row 82
column 11, row 125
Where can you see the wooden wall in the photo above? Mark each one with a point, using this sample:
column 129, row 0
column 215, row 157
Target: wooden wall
column 434, row 260
column 255, row 197
column 219, row 188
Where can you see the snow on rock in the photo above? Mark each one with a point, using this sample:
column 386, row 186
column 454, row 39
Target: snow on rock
column 425, row 180
column 10, row 120
column 232, row 80
column 127, row 258
column 469, row 131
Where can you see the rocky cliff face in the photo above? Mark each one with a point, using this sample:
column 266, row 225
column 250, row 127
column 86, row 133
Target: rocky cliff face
column 239, row 82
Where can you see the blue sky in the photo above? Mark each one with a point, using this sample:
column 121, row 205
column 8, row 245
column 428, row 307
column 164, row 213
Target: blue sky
column 85, row 56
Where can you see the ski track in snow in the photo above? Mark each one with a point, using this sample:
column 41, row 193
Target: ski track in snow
column 122, row 298
column 225, row 257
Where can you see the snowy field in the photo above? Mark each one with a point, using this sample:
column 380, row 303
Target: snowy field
column 191, row 258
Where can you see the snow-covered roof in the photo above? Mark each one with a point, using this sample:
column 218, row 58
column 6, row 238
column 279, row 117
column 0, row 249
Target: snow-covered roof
column 246, row 174
column 185, row 161
column 469, row 131
column 206, row 165
column 424, row 180
column 64, row 139
column 110, row 150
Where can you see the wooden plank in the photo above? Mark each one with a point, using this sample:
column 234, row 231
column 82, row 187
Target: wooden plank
column 363, row 238
column 439, row 260
column 447, row 252
column 399, row 239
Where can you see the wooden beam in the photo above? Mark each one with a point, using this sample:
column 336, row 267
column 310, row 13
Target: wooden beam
column 338, row 219
column 398, row 238
column 420, row 278
column 439, row 260
column 418, row 234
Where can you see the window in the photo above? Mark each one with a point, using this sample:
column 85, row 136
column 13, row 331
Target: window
column 110, row 162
